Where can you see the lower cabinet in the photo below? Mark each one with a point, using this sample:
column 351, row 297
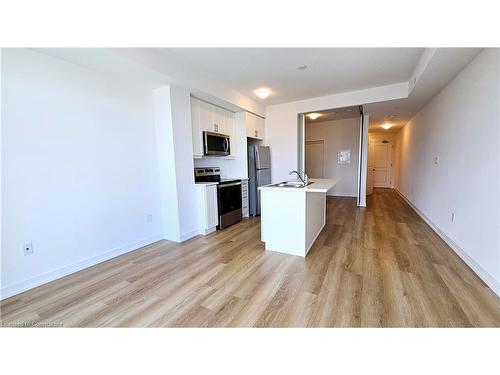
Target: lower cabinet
column 244, row 198
column 206, row 204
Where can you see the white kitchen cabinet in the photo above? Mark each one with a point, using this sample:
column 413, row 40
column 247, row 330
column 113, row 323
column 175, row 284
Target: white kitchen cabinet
column 219, row 121
column 249, row 124
column 209, row 117
column 196, row 128
column 259, row 127
column 230, row 129
column 254, row 125
column 206, row 205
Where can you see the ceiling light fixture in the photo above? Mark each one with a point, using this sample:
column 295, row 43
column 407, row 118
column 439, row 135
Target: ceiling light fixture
column 387, row 126
column 262, row 92
column 313, row 116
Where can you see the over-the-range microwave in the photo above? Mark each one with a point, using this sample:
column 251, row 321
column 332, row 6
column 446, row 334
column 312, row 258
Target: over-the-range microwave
column 216, row 144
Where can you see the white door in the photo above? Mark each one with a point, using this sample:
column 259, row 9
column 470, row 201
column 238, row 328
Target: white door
column 370, row 169
column 250, row 124
column 206, row 117
column 219, row 121
column 315, row 159
column 211, row 202
column 230, row 130
column 196, row 128
column 259, row 127
column 382, row 164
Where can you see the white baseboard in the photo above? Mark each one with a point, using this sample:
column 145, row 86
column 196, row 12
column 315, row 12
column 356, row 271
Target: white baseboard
column 47, row 277
column 339, row 194
column 188, row 235
column 476, row 267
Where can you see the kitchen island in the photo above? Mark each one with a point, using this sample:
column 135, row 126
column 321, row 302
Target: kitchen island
column 293, row 217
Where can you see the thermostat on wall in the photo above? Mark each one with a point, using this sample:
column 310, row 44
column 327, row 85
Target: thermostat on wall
column 344, row 156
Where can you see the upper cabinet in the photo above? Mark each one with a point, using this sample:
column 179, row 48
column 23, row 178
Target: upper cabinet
column 259, row 127
column 196, row 120
column 254, row 126
column 208, row 117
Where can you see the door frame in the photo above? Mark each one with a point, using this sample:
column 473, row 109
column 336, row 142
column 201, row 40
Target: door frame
column 318, row 141
column 363, row 152
column 390, row 162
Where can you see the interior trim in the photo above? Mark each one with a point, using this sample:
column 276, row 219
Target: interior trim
column 484, row 275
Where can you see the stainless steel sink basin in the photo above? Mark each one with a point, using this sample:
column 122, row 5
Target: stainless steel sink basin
column 294, row 184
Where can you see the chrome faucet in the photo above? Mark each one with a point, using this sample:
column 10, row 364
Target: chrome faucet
column 304, row 180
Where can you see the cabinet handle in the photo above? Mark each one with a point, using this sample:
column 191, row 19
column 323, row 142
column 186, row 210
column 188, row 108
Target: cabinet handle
column 256, row 134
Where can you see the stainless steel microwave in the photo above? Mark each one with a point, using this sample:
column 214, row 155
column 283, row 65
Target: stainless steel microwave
column 216, row 144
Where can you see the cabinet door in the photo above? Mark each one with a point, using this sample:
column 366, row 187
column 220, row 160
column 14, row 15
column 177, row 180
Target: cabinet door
column 230, row 129
column 196, row 129
column 206, row 117
column 250, row 125
column 259, row 127
column 212, row 209
column 219, row 121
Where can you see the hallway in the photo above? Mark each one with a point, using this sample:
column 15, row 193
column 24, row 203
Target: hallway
column 376, row 267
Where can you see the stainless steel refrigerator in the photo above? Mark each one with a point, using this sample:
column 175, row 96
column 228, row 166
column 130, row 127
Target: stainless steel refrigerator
column 259, row 174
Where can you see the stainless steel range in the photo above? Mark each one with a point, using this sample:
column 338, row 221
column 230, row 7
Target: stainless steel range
column 228, row 195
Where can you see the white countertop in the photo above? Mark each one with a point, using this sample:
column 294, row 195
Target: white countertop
column 207, row 183
column 320, row 185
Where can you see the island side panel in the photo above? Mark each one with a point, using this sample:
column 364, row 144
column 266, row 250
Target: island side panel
column 283, row 221
column 315, row 217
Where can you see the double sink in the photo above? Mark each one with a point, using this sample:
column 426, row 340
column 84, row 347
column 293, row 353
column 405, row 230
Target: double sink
column 292, row 184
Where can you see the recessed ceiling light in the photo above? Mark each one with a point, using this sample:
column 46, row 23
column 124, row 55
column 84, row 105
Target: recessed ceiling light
column 302, row 67
column 262, row 92
column 313, row 116
column 387, row 126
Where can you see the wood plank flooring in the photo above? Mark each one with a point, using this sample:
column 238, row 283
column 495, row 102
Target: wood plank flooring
column 376, row 267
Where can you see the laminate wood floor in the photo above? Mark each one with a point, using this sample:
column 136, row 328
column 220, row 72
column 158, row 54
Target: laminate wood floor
column 376, row 267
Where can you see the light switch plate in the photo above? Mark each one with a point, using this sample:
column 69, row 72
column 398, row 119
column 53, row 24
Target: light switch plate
column 344, row 156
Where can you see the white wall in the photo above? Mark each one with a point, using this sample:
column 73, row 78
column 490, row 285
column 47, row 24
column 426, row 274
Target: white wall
column 461, row 126
column 79, row 169
column 172, row 108
column 338, row 135
column 155, row 68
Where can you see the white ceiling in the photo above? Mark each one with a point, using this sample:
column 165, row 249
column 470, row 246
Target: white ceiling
column 445, row 64
column 329, row 70
column 228, row 76
column 334, row 115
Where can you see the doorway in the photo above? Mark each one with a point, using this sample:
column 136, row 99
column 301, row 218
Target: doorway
column 333, row 144
column 379, row 165
column 315, row 158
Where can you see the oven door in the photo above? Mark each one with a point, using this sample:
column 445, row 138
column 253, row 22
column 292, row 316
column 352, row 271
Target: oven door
column 229, row 203
column 216, row 144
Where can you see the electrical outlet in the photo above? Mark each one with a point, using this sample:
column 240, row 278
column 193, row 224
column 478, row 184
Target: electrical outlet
column 149, row 218
column 452, row 217
column 28, row 248
column 436, row 159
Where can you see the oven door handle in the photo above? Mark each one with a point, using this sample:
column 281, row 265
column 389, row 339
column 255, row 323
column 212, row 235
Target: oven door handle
column 221, row 186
